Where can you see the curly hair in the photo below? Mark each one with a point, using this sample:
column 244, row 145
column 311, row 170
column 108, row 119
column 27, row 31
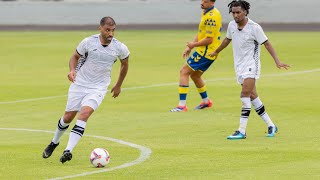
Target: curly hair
column 236, row 3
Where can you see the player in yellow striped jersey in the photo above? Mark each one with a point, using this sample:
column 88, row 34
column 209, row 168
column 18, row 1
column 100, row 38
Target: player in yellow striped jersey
column 206, row 41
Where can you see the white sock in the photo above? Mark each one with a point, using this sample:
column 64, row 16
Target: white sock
column 259, row 107
column 245, row 112
column 61, row 128
column 205, row 100
column 182, row 102
column 76, row 134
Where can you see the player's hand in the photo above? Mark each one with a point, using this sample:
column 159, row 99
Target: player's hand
column 281, row 65
column 72, row 75
column 116, row 91
column 186, row 52
column 213, row 54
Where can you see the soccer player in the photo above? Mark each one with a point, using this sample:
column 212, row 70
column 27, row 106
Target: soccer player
column 246, row 37
column 206, row 40
column 90, row 70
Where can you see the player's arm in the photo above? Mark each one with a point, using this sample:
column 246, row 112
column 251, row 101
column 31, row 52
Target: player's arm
column 204, row 42
column 223, row 45
column 190, row 45
column 195, row 43
column 72, row 66
column 123, row 72
column 187, row 51
column 272, row 52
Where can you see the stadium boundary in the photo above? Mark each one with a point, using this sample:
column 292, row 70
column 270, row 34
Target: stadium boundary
column 266, row 27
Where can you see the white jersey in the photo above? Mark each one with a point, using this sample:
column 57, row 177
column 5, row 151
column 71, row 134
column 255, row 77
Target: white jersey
column 246, row 47
column 94, row 66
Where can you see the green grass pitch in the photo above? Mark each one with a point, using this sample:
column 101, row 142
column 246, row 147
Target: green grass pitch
column 190, row 145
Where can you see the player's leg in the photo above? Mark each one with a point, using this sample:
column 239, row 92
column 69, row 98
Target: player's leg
column 76, row 132
column 202, row 64
column 202, row 89
column 260, row 109
column 183, row 88
column 247, row 88
column 72, row 107
column 62, row 126
column 89, row 104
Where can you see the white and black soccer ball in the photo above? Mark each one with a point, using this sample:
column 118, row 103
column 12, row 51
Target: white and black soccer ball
column 99, row 157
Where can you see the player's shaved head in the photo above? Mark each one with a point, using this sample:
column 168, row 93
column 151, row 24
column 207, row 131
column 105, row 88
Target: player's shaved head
column 107, row 21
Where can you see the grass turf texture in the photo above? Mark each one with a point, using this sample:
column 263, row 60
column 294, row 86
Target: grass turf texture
column 190, row 145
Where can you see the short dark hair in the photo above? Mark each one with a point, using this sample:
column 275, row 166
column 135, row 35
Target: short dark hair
column 107, row 20
column 243, row 4
column 213, row 0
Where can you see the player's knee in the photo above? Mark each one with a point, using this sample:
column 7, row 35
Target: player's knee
column 68, row 117
column 184, row 71
column 85, row 114
column 195, row 77
column 245, row 93
column 253, row 96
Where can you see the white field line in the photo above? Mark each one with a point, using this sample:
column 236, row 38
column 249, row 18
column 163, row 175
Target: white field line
column 163, row 85
column 33, row 99
column 144, row 153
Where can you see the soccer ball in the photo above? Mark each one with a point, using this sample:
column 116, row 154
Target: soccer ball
column 99, row 157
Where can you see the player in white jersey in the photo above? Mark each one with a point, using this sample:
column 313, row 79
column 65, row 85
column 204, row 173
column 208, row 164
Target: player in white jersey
column 246, row 37
column 90, row 69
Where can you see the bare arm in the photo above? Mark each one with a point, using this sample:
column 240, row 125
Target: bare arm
column 195, row 43
column 123, row 72
column 72, row 66
column 204, row 42
column 273, row 53
column 187, row 51
column 223, row 45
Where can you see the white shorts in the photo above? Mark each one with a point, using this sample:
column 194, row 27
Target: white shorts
column 247, row 72
column 80, row 96
column 241, row 78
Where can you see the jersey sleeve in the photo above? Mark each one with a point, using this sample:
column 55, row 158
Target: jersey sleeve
column 259, row 34
column 228, row 35
column 124, row 52
column 82, row 48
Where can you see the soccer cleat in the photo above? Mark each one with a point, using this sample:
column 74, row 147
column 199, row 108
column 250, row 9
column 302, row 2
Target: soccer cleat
column 237, row 135
column 272, row 131
column 204, row 105
column 66, row 156
column 49, row 150
column 179, row 109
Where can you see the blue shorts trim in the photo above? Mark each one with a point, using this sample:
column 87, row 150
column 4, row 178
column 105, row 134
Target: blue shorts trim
column 199, row 63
